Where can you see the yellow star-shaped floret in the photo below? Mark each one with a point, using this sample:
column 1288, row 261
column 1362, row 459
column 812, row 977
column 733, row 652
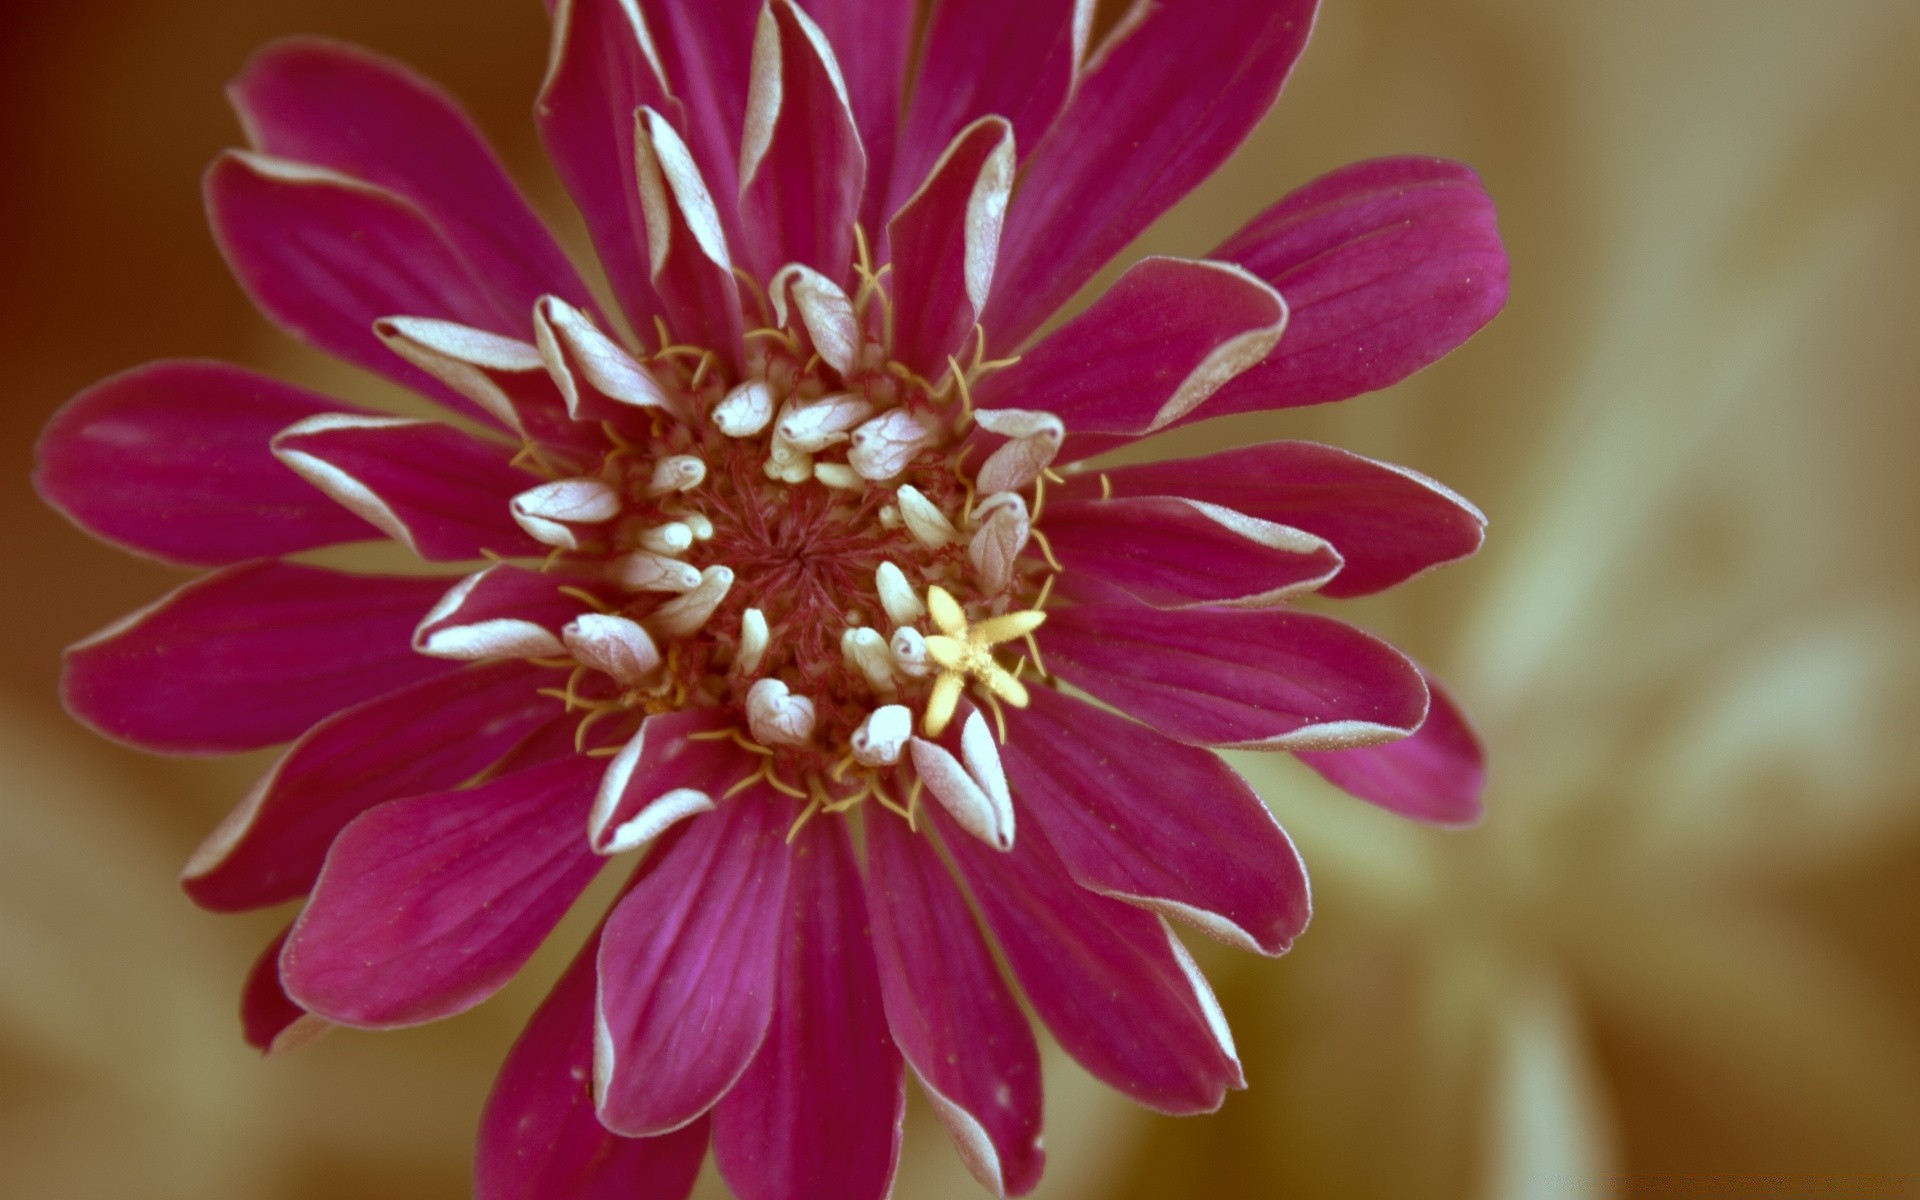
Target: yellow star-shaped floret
column 963, row 651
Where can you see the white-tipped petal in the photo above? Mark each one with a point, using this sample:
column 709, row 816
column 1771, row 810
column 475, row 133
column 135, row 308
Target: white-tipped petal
column 882, row 736
column 672, row 538
column 545, row 511
column 745, row 411
column 996, row 546
column 981, row 754
column 1035, row 439
column 576, row 352
column 970, row 805
column 684, row 614
column 777, row 717
column 884, row 446
column 897, row 596
column 463, row 358
column 928, row 525
column 867, row 652
column 642, row 571
column 910, row 653
column 825, row 310
column 753, row 641
column 614, row 645
column 677, row 473
column 814, row 426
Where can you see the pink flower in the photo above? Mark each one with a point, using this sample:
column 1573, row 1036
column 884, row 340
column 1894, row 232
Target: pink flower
column 789, row 551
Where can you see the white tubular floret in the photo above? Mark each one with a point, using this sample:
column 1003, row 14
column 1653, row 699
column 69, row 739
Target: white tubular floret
column 684, row 614
column 981, row 806
column 674, row 537
column 753, row 641
column 910, row 653
column 897, row 595
column 928, row 525
column 698, row 525
column 1000, row 539
column 866, row 651
column 1035, row 439
column 644, row 571
column 677, row 473
column 777, row 717
column 882, row 736
column 745, row 411
column 884, row 446
column 544, row 511
column 613, row 644
column 838, row 475
column 824, row 422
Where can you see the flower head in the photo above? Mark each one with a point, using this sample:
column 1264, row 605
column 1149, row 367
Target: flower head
column 777, row 568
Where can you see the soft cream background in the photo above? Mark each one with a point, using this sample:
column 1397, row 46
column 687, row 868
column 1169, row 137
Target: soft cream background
column 1677, row 959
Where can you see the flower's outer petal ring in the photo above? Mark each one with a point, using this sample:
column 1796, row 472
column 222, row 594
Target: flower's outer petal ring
column 818, row 1114
column 951, row 1013
column 1388, row 523
column 349, row 110
column 427, row 906
column 663, row 776
column 705, row 49
column 1155, row 113
column 539, row 1138
column 440, row 492
column 325, row 256
column 1112, row 982
column 270, row 1021
column 430, row 737
column 872, row 40
column 1170, row 827
column 1436, row 776
column 1248, row 679
column 247, row 657
column 689, row 965
column 170, row 459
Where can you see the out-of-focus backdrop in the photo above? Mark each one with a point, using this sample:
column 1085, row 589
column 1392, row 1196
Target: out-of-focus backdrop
column 1678, row 957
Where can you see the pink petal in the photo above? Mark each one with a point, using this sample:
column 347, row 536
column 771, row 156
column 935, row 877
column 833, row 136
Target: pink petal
column 802, row 170
column 349, row 110
column 270, row 1021
column 601, row 70
column 664, row 775
column 1269, row 679
column 1112, row 982
column 691, row 267
column 427, row 906
column 326, row 256
column 818, row 1114
column 430, row 737
column 1435, row 776
column 247, row 657
column 501, row 612
column 539, row 1137
column 689, row 967
column 1161, row 340
column 1387, row 266
column 951, row 1013
column 1172, row 553
column 1151, row 118
column 944, row 242
column 705, row 49
column 1016, row 58
column 1170, row 827
column 171, row 459
column 873, row 40
column 1388, row 523
column 441, row 493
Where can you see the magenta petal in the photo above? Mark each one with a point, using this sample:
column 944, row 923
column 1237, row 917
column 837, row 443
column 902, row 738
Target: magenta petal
column 1016, row 58
column 352, row 111
column 171, row 459
column 802, row 170
column 270, row 1021
column 689, row 965
column 539, row 1137
column 818, row 1114
column 247, row 657
column 441, row 493
column 951, row 1013
column 1387, row 523
column 427, row 906
column 873, row 40
column 429, row 737
column 326, row 256
column 1171, row 553
column 501, row 612
column 665, row 775
column 1436, row 775
column 691, row 267
column 1387, row 265
column 601, row 71
column 1159, row 342
column 1269, row 679
column 944, row 241
column 1114, row 985
column 705, row 49
column 1152, row 118
column 1171, row 827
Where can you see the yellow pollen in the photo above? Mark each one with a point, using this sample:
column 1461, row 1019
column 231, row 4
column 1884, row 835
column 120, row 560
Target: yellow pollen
column 963, row 651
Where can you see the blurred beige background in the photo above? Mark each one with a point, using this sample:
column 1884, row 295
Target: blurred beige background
column 1679, row 957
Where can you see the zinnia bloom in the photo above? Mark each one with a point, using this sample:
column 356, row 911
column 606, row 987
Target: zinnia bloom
column 790, row 558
